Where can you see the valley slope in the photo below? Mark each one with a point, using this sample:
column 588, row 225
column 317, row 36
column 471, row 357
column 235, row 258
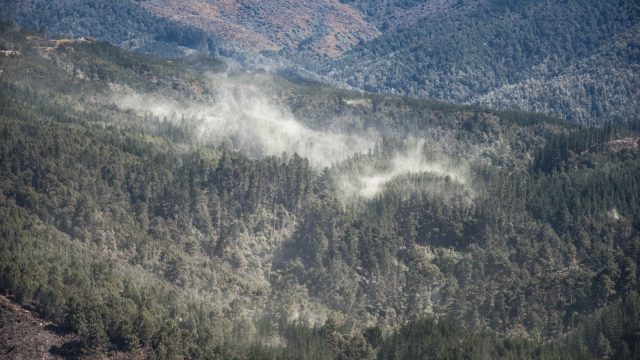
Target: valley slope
column 176, row 208
column 575, row 60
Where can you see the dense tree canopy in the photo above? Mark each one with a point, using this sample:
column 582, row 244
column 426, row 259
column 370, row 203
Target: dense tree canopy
column 132, row 232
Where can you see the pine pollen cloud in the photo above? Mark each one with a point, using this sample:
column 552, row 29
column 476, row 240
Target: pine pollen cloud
column 242, row 118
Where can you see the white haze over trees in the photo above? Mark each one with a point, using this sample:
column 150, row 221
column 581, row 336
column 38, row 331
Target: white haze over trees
column 244, row 119
column 369, row 181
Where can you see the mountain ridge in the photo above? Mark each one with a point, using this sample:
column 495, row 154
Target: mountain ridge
column 326, row 28
column 467, row 52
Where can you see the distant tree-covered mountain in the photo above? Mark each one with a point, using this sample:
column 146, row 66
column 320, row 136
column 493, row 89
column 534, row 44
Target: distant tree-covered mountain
column 122, row 22
column 574, row 59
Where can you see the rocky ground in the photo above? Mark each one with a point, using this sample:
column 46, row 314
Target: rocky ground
column 24, row 335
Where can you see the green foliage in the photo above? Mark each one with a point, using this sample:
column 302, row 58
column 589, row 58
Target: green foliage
column 611, row 333
column 121, row 22
column 442, row 339
column 122, row 228
column 513, row 54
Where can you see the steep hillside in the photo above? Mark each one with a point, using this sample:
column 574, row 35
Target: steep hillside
column 575, row 59
column 177, row 209
column 24, row 335
column 122, row 22
column 389, row 15
column 322, row 27
column 529, row 55
column 601, row 87
column 169, row 28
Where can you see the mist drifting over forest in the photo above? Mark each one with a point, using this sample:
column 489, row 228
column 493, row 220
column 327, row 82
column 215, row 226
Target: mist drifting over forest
column 243, row 118
column 295, row 204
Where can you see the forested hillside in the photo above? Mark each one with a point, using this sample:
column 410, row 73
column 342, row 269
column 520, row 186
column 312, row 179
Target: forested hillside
column 575, row 60
column 122, row 22
column 320, row 27
column 572, row 59
column 172, row 208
